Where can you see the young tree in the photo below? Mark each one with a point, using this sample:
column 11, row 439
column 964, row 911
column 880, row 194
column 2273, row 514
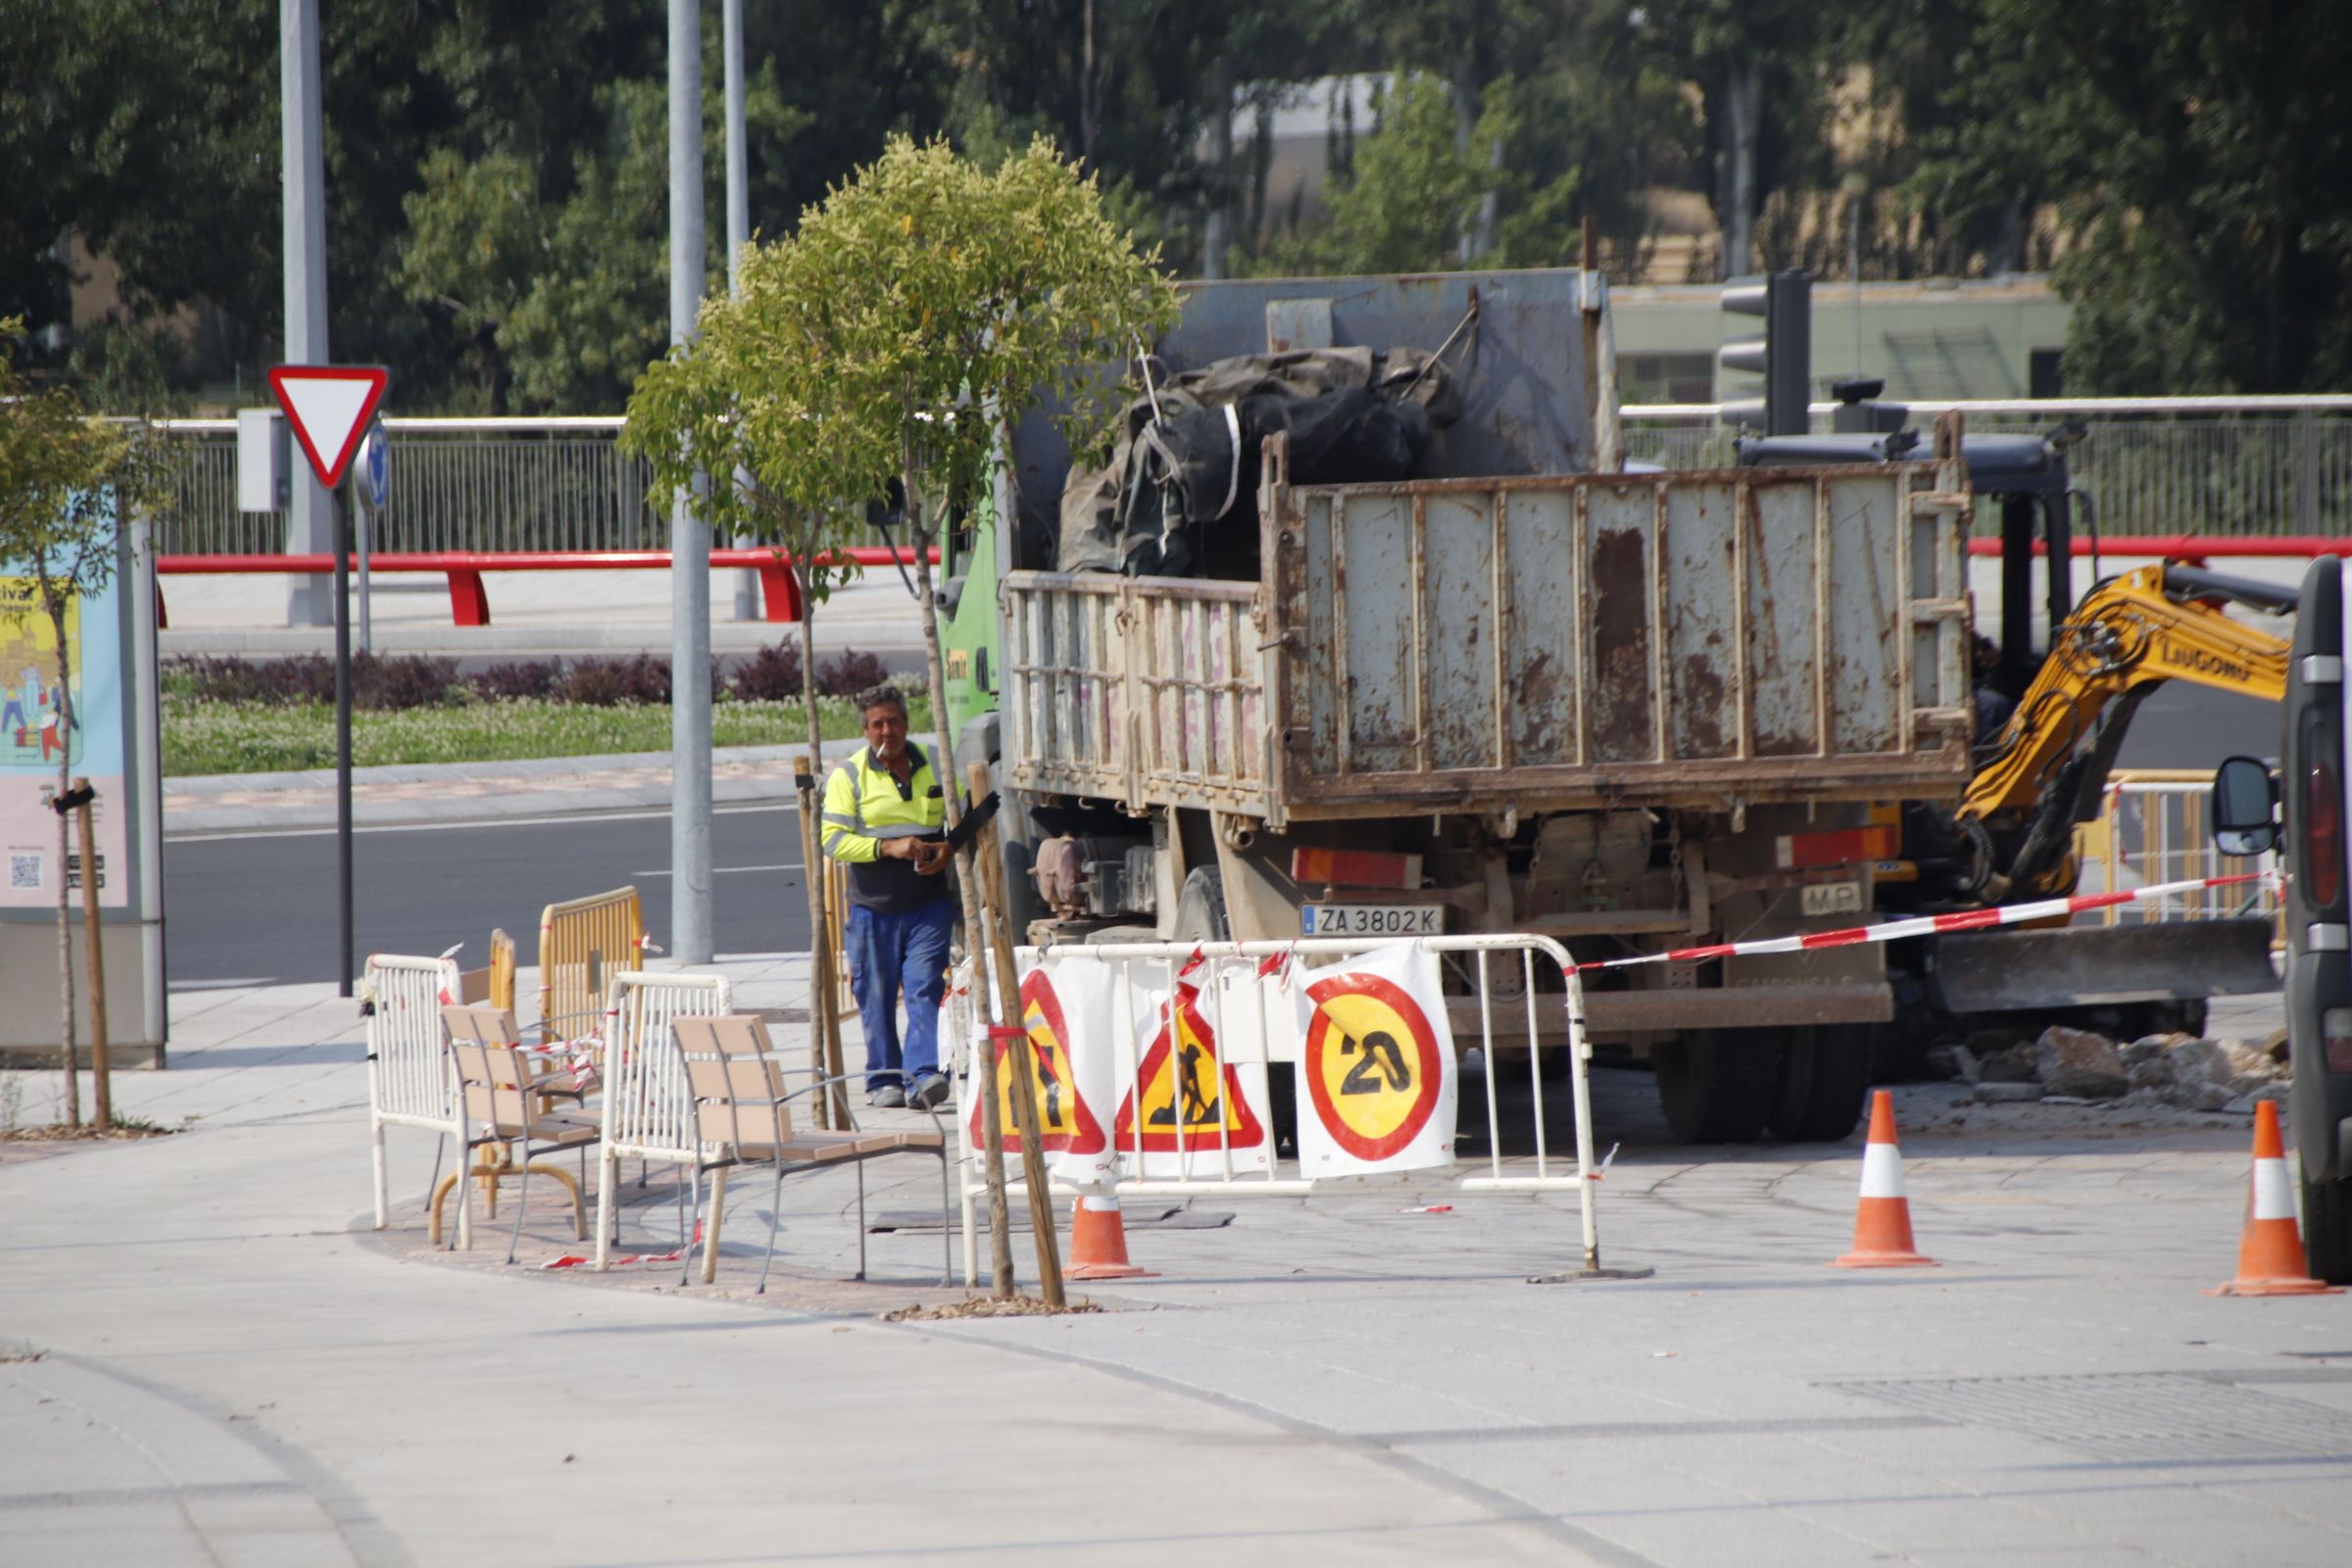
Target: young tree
column 921, row 308
column 65, row 482
column 717, row 405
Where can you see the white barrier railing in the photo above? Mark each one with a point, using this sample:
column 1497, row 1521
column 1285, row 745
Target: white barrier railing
column 1256, row 1043
column 648, row 1112
column 408, row 1074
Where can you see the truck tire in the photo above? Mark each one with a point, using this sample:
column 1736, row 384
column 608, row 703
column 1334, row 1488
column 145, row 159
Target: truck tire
column 1200, row 907
column 1717, row 1086
column 1825, row 1077
column 2328, row 1229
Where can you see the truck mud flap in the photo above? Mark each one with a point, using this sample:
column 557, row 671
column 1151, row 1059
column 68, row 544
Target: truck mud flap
column 2015, row 971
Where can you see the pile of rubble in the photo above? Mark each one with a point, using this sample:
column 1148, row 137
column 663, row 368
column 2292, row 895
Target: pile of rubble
column 2073, row 1066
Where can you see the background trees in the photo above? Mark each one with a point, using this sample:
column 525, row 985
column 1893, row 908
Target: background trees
column 495, row 174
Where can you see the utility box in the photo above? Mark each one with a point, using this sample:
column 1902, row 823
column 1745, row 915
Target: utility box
column 263, row 454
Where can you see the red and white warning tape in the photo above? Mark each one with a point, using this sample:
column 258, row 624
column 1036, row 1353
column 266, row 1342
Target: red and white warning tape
column 618, row 1262
column 1930, row 924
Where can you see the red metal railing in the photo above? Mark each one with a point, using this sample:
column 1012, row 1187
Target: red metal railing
column 470, row 599
column 2187, row 546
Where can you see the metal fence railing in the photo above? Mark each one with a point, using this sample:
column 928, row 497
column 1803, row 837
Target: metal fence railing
column 2235, row 466
column 2154, row 827
column 2241, row 467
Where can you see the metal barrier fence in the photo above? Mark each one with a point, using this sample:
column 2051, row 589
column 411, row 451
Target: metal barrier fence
column 408, row 1079
column 1473, row 1018
column 648, row 1112
column 583, row 943
column 2236, row 467
column 2154, row 827
column 451, row 484
column 2249, row 466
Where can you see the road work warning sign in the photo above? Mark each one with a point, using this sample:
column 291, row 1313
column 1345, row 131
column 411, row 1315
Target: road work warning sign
column 1067, row 1126
column 1378, row 1067
column 1187, row 1096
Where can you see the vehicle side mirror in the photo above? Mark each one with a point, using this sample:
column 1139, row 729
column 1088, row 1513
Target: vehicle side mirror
column 2245, row 806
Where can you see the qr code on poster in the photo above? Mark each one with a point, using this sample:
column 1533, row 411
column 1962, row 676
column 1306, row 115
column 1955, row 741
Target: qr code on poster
column 24, row 871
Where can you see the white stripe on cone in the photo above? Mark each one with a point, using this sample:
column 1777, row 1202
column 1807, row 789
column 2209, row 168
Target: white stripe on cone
column 1881, row 1171
column 2274, row 1199
column 1100, row 1202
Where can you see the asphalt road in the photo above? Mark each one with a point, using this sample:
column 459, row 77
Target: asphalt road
column 258, row 909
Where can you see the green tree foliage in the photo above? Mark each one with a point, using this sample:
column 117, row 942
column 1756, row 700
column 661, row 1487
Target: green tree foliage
column 2200, row 149
column 1415, row 190
column 557, row 287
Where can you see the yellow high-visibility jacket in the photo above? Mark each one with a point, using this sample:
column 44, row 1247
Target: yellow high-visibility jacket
column 864, row 804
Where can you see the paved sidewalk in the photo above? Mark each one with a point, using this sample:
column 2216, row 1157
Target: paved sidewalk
column 234, row 1370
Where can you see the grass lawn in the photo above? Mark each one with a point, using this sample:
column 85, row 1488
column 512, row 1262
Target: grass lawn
column 201, row 737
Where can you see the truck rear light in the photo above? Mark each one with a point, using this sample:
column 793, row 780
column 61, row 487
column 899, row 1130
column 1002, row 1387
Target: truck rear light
column 1355, row 868
column 1837, row 846
column 2321, row 862
column 2335, row 1030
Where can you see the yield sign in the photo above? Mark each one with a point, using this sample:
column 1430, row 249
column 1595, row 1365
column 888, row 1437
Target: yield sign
column 330, row 406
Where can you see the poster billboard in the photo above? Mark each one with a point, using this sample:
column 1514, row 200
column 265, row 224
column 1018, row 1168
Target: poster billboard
column 54, row 709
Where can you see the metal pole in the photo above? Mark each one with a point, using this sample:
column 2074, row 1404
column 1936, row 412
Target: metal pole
column 1853, row 262
column 739, row 235
column 689, row 534
column 144, row 812
column 366, row 520
column 303, row 173
column 343, row 742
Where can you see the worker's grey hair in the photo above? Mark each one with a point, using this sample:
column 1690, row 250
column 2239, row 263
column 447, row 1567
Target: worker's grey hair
column 882, row 696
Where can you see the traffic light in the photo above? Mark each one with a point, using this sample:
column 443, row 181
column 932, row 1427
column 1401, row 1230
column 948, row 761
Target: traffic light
column 1782, row 353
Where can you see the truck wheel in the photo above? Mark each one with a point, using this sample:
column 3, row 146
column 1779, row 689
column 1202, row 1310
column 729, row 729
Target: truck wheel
column 1717, row 1084
column 2328, row 1229
column 1200, row 907
column 1824, row 1076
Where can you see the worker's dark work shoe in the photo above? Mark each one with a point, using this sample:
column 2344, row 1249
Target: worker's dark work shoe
column 890, row 1096
column 930, row 1091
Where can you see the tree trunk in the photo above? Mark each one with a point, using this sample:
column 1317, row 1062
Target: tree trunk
column 935, row 668
column 54, row 599
column 1216, row 234
column 1477, row 235
column 1742, row 126
column 102, row 1087
column 824, row 1023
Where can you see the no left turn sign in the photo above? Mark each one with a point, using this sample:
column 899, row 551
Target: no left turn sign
column 1373, row 1064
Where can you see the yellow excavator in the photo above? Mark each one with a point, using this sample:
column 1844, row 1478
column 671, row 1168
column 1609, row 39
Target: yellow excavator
column 2049, row 764
column 2012, row 836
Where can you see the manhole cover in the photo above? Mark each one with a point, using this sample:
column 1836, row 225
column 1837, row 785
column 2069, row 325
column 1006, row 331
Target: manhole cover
column 2132, row 1416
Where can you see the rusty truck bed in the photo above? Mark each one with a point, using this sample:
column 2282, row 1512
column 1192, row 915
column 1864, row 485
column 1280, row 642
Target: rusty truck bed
column 1533, row 643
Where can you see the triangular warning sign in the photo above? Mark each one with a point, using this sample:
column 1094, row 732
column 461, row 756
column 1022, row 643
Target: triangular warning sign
column 1064, row 1121
column 328, row 405
column 1181, row 1091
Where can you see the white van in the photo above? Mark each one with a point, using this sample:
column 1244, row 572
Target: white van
column 2310, row 785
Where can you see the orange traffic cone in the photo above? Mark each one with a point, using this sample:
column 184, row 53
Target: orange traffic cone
column 2270, row 1253
column 1099, row 1239
column 1882, row 1218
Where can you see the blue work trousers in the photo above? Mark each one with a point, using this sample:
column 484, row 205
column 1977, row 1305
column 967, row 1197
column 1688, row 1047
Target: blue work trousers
column 895, row 957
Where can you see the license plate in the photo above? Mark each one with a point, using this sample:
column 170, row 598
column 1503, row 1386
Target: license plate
column 1372, row 919
column 1831, row 897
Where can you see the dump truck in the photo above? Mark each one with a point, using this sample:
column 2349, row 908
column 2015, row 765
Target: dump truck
column 1517, row 688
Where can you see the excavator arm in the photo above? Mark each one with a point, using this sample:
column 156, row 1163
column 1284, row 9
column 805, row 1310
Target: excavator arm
column 2128, row 636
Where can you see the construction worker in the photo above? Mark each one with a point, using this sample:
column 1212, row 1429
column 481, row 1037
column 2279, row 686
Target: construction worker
column 884, row 818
